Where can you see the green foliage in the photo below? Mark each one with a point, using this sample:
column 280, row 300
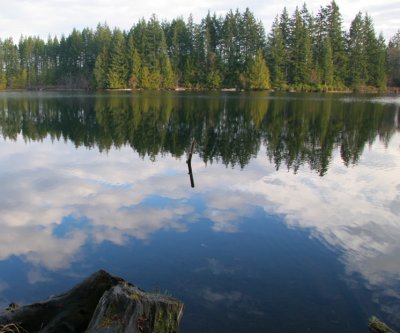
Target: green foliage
column 230, row 130
column 258, row 73
column 277, row 55
column 301, row 50
column 167, row 75
column 145, row 78
column 393, row 55
column 117, row 68
column 328, row 66
column 213, row 79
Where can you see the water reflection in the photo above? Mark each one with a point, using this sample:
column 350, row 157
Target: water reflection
column 228, row 128
column 189, row 163
column 60, row 202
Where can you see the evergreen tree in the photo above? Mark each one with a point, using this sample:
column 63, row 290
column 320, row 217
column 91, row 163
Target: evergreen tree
column 251, row 37
column 277, row 55
column 338, row 43
column 284, row 24
column 211, row 31
column 328, row 66
column 168, row 75
column 230, row 53
column 393, row 55
column 101, row 69
column 134, row 63
column 258, row 73
column 11, row 63
column 103, row 36
column 381, row 64
column 189, row 71
column 145, row 78
column 3, row 80
column 118, row 68
column 370, row 44
column 357, row 57
column 300, row 51
column 179, row 41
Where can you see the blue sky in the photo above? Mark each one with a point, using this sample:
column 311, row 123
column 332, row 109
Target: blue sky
column 55, row 17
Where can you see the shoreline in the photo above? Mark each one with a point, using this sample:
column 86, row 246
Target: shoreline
column 366, row 90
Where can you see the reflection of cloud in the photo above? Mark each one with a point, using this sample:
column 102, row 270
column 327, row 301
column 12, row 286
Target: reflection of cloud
column 353, row 209
column 225, row 209
column 51, row 181
column 228, row 298
column 3, row 286
column 39, row 246
column 216, row 267
column 35, row 276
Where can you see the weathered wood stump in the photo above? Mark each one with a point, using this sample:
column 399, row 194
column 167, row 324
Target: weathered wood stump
column 101, row 303
column 125, row 308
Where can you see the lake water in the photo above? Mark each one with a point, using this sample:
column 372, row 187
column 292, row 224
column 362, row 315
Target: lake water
column 293, row 223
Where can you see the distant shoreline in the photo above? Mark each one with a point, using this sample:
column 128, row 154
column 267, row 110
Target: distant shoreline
column 365, row 90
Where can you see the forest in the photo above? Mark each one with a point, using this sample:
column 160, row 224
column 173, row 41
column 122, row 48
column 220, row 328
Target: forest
column 302, row 51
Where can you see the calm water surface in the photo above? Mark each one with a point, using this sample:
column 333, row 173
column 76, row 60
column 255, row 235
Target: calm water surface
column 293, row 223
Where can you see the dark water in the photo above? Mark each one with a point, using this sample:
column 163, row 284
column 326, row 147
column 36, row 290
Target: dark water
column 293, row 223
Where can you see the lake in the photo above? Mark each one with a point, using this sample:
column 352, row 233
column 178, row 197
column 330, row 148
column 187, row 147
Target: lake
column 292, row 223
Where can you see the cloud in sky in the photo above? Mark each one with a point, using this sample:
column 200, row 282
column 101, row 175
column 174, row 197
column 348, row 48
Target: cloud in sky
column 56, row 17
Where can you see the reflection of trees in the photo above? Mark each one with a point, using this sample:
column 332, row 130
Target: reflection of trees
column 228, row 128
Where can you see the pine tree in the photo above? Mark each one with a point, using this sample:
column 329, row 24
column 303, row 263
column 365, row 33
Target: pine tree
column 11, row 63
column 134, row 63
column 338, row 44
column 370, row 44
column 381, row 64
column 328, row 67
column 258, row 73
column 393, row 55
column 168, row 75
column 328, row 24
column 179, row 42
column 357, row 57
column 300, row 51
column 3, row 81
column 145, row 78
column 219, row 52
column 102, row 41
column 230, row 53
column 118, row 67
column 101, row 69
column 277, row 55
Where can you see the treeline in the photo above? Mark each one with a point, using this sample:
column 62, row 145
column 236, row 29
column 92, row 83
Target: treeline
column 229, row 130
column 302, row 51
